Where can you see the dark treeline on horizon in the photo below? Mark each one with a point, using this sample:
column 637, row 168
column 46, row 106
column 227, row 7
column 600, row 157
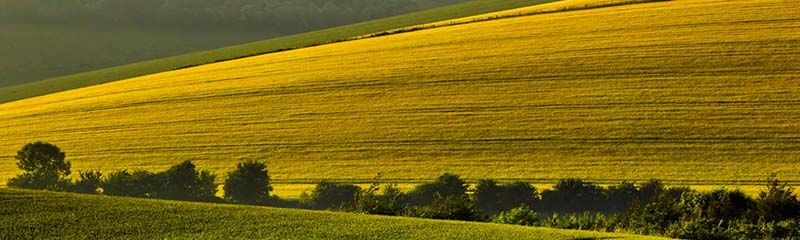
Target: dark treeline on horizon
column 279, row 16
column 644, row 208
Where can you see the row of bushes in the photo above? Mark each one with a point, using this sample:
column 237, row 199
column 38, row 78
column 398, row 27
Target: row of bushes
column 646, row 208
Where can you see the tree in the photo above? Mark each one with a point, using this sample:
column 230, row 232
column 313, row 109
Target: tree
column 131, row 184
column 491, row 198
column 184, row 182
column 44, row 167
column 574, row 196
column 248, row 183
column 445, row 186
column 334, row 196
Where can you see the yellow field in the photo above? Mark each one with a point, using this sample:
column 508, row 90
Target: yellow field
column 689, row 91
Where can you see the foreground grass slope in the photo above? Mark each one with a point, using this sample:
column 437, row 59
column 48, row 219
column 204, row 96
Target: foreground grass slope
column 44, row 215
column 688, row 91
column 11, row 93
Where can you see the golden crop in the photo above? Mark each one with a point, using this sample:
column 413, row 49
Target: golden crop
column 688, row 91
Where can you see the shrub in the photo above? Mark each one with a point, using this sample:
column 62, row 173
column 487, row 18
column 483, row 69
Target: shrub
column 492, row 198
column 334, row 196
column 89, row 182
column 777, row 203
column 447, row 185
column 446, row 207
column 248, row 183
column 44, row 167
column 522, row 215
column 585, row 221
column 184, row 182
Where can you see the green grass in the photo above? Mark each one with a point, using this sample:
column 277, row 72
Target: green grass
column 12, row 93
column 47, row 215
column 611, row 94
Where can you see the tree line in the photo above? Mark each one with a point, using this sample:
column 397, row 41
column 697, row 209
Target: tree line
column 645, row 208
column 256, row 14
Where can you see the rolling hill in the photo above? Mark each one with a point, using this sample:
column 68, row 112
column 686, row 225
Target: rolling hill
column 690, row 91
column 137, row 43
column 46, row 215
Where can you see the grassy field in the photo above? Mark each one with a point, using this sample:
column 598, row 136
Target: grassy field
column 43, row 215
column 700, row 92
column 11, row 93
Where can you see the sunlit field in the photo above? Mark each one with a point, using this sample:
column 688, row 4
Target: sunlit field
column 697, row 92
column 34, row 215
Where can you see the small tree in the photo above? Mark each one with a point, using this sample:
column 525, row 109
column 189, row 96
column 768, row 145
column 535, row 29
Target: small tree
column 248, row 183
column 43, row 166
column 88, row 183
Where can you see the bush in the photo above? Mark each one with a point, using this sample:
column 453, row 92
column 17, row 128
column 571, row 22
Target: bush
column 184, row 182
column 334, row 196
column 44, row 167
column 447, row 185
column 248, row 183
column 585, row 221
column 522, row 215
column 492, row 198
column 88, row 183
column 131, row 184
column 777, row 203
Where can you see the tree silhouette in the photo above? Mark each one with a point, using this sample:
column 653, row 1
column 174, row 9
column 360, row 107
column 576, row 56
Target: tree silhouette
column 44, row 167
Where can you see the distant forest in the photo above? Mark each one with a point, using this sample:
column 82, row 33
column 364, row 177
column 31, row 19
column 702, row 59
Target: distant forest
column 277, row 15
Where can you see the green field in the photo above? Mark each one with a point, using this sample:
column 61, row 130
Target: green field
column 11, row 93
column 47, row 215
column 37, row 51
column 699, row 92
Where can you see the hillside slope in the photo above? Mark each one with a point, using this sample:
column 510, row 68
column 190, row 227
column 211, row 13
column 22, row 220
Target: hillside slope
column 57, row 84
column 44, row 38
column 43, row 215
column 689, row 91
